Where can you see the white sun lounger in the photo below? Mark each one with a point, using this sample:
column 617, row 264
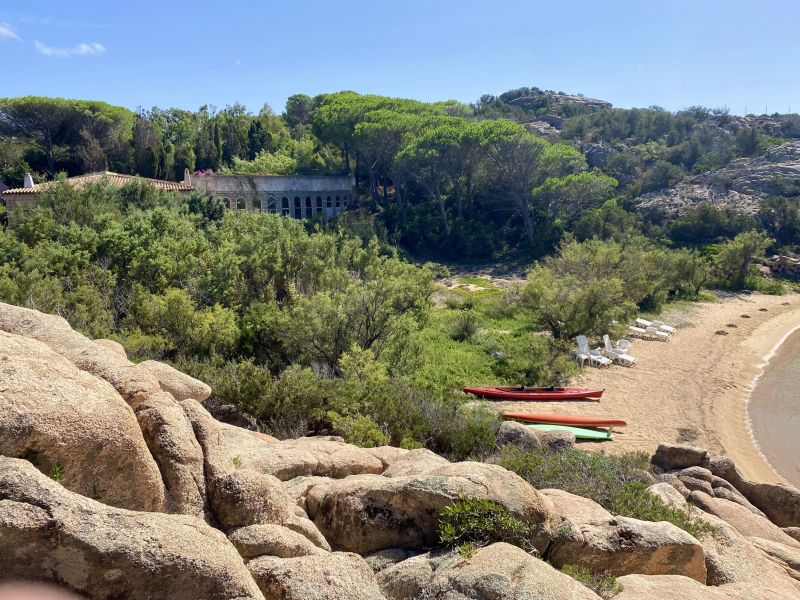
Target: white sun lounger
column 616, row 354
column 648, row 333
column 595, row 356
column 660, row 325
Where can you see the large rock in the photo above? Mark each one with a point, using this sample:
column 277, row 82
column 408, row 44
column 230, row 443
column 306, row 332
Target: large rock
column 334, row 576
column 167, row 435
column 623, row 546
column 672, row 456
column 171, row 441
column 779, row 502
column 415, row 462
column 245, row 497
column 113, row 346
column 787, row 556
column 575, row 509
column 271, row 540
column 369, row 512
column 503, row 571
column 409, row 578
column 66, row 420
column 741, row 519
column 388, row 455
column 517, row 434
column 668, row 495
column 557, row 440
column 51, row 534
column 732, row 558
column 134, row 384
column 180, row 385
column 666, row 587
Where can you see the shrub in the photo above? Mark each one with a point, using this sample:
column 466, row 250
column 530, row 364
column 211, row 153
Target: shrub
column 603, row 585
column 590, row 474
column 465, row 327
column 633, row 500
column 473, row 523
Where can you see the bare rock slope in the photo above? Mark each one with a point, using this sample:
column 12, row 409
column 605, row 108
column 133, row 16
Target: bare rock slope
column 740, row 185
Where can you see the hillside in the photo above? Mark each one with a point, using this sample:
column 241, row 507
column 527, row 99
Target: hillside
column 121, row 484
column 741, row 185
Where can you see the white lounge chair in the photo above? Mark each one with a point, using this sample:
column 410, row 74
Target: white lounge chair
column 580, row 356
column 660, row 325
column 664, row 327
column 623, row 344
column 595, row 356
column 648, row 333
column 616, row 354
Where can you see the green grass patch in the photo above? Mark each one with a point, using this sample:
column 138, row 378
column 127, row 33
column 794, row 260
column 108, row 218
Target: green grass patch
column 603, row 585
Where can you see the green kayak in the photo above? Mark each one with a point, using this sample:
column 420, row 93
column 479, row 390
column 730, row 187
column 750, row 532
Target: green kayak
column 580, row 432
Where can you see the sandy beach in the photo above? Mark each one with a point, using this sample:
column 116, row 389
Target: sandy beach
column 693, row 389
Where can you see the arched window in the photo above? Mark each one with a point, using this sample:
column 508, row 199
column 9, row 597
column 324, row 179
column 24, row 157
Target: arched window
column 298, row 210
column 241, row 204
column 271, row 207
column 284, row 206
column 319, row 204
column 227, row 203
column 256, row 203
column 338, row 202
column 328, row 202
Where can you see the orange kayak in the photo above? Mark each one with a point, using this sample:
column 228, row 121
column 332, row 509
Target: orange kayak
column 565, row 420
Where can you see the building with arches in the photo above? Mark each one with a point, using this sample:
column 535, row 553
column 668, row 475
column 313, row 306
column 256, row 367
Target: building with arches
column 298, row 196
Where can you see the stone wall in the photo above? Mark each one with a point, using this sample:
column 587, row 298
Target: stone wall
column 296, row 196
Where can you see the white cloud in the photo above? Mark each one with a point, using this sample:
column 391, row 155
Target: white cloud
column 238, row 63
column 83, row 49
column 7, row 32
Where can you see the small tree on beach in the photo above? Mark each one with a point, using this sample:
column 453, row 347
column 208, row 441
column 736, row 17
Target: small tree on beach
column 736, row 260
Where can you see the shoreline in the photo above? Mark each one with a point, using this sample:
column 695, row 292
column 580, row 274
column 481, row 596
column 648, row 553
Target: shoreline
column 696, row 388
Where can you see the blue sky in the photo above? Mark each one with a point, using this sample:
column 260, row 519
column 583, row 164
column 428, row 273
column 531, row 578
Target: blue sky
column 174, row 53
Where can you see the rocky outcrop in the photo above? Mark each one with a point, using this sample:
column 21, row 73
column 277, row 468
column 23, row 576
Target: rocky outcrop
column 623, row 546
column 334, row 576
column 494, row 572
column 49, row 533
column 575, row 509
column 272, row 540
column 740, row 185
column 371, row 512
column 516, row 434
column 179, row 385
column 74, row 426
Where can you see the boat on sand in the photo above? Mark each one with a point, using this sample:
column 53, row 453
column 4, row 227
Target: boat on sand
column 576, row 420
column 579, row 432
column 526, row 393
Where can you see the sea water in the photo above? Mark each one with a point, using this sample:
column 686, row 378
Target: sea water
column 775, row 410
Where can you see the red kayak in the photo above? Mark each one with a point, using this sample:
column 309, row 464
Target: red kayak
column 534, row 393
column 566, row 420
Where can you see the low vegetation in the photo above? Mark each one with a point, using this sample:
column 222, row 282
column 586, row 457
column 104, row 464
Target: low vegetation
column 616, row 482
column 470, row 523
column 605, row 586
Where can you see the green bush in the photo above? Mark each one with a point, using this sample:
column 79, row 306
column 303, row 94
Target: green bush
column 603, row 585
column 593, row 475
column 633, row 500
column 465, row 327
column 472, row 522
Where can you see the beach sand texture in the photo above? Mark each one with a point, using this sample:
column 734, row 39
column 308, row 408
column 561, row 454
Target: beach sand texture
column 693, row 389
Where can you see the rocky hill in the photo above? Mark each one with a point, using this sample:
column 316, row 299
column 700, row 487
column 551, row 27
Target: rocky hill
column 115, row 482
column 740, row 185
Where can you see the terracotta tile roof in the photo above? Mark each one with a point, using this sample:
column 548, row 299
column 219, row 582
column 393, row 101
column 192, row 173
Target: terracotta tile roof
column 112, row 179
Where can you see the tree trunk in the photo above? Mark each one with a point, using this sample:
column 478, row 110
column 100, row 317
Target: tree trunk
column 459, row 207
column 442, row 212
column 468, row 191
column 346, row 160
column 373, row 187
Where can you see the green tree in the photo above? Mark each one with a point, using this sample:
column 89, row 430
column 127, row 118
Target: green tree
column 735, row 262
